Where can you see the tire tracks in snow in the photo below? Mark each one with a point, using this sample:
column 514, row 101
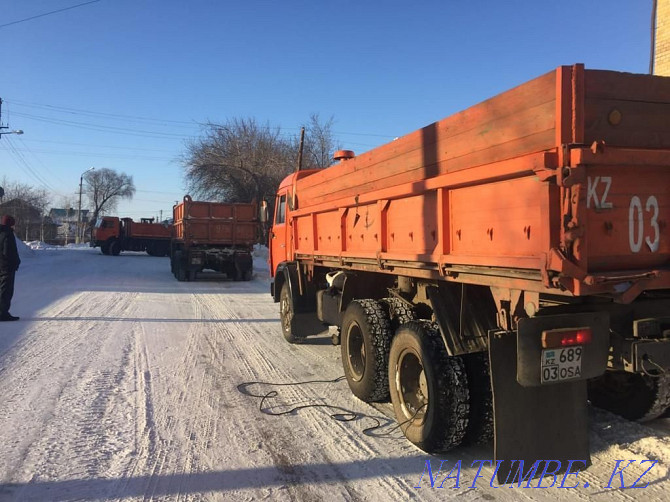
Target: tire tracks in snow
column 259, row 352
column 80, row 367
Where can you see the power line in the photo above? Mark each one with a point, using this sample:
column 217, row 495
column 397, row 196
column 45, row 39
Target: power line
column 94, row 146
column 102, row 128
column 48, row 13
column 39, row 161
column 97, row 154
column 75, row 111
column 25, row 165
column 78, row 111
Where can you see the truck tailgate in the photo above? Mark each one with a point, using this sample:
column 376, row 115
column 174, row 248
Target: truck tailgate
column 627, row 212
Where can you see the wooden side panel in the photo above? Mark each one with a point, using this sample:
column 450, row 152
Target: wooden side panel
column 363, row 229
column 328, row 232
column 303, row 234
column 517, row 122
column 627, row 110
column 498, row 219
column 412, row 225
column 155, row 230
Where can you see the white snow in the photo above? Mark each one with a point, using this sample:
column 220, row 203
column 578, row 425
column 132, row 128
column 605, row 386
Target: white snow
column 120, row 382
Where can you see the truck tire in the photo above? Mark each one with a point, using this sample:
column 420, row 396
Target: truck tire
column 243, row 270
column 429, row 389
column 480, row 419
column 289, row 326
column 631, row 395
column 115, row 248
column 104, row 248
column 365, row 343
column 399, row 312
column 178, row 267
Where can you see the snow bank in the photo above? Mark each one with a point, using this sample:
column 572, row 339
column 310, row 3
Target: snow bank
column 39, row 245
column 24, row 250
column 261, row 254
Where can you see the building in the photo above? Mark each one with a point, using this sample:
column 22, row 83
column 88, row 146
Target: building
column 662, row 38
column 31, row 224
column 66, row 221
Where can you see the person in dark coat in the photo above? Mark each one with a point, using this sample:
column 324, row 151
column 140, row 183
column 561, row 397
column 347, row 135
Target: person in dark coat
column 9, row 264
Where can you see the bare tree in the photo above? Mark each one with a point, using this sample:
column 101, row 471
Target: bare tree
column 319, row 143
column 39, row 198
column 105, row 187
column 238, row 161
column 27, row 205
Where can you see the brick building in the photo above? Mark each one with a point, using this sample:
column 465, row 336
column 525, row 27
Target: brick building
column 662, row 39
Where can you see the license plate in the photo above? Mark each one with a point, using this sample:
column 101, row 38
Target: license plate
column 561, row 364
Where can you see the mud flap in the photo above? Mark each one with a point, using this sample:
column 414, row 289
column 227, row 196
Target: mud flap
column 547, row 422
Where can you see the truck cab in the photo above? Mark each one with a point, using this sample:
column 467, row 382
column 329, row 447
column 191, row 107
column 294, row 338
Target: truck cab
column 106, row 228
column 280, row 232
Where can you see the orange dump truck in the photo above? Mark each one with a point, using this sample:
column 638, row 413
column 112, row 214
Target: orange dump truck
column 487, row 271
column 213, row 235
column 114, row 235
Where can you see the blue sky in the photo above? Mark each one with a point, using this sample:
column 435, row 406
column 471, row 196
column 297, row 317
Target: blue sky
column 124, row 83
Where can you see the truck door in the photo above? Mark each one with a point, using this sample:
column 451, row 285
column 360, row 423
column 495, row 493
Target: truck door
column 279, row 237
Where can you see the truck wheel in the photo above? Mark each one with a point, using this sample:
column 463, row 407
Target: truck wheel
column 288, row 322
column 104, row 248
column 429, row 389
column 365, row 342
column 177, row 266
column 631, row 395
column 180, row 273
column 480, row 420
column 399, row 312
column 115, row 248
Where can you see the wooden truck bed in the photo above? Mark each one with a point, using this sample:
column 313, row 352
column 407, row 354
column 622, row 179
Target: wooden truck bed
column 215, row 223
column 138, row 230
column 561, row 184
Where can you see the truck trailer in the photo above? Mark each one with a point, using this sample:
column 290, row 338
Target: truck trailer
column 493, row 271
column 113, row 235
column 213, row 235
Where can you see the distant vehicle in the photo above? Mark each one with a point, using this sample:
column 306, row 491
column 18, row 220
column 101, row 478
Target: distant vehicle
column 213, row 235
column 114, row 235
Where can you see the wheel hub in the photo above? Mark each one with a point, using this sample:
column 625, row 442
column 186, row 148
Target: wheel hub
column 356, row 352
column 412, row 386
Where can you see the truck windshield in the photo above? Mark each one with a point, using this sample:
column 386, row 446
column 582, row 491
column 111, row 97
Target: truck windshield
column 281, row 210
column 102, row 223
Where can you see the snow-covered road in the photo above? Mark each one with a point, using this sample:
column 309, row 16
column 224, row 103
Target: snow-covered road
column 119, row 383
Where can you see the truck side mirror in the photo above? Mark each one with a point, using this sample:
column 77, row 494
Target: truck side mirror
column 263, row 216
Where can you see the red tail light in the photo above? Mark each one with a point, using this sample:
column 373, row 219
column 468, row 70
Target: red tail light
column 556, row 338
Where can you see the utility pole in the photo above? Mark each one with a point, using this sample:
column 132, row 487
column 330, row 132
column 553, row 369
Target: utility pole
column 17, row 131
column 81, row 182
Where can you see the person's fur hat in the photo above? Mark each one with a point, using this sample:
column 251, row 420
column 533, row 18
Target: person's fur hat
column 8, row 221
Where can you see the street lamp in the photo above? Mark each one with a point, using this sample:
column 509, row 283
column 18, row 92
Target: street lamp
column 16, row 131
column 81, row 181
